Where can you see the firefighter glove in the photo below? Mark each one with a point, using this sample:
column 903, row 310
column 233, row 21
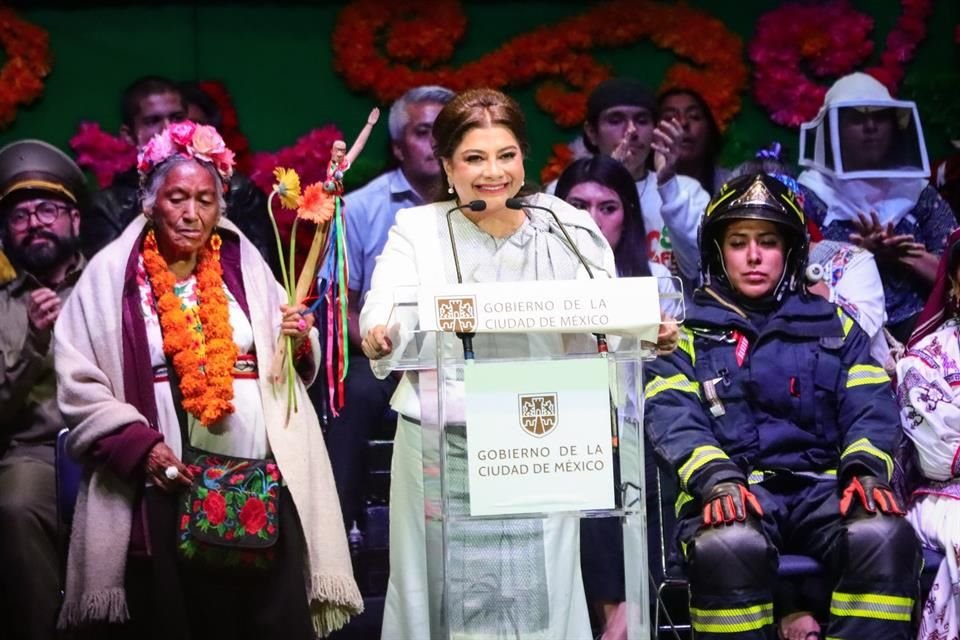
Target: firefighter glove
column 872, row 494
column 729, row 502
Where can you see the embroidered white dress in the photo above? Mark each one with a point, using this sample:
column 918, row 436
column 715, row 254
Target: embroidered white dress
column 515, row 579
column 929, row 396
column 242, row 433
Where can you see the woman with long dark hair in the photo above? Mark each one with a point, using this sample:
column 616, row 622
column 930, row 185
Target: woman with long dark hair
column 701, row 141
column 604, row 188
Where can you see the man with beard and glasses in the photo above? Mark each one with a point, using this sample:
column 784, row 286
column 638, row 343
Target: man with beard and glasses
column 41, row 192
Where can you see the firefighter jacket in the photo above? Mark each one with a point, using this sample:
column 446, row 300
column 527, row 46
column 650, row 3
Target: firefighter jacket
column 800, row 394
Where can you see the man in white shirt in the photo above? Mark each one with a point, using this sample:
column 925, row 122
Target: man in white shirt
column 622, row 123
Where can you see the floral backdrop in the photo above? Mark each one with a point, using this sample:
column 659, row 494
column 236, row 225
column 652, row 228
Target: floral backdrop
column 763, row 68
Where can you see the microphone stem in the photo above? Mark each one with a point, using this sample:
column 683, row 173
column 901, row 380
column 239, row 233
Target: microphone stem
column 465, row 338
column 453, row 246
column 570, row 243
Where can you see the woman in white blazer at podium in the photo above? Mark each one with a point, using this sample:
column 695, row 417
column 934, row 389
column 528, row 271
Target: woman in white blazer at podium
column 481, row 141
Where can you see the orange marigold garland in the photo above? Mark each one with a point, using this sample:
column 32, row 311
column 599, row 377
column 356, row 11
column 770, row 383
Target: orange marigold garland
column 205, row 369
column 27, row 54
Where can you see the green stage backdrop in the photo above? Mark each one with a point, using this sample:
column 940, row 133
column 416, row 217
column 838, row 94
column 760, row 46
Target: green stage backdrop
column 276, row 60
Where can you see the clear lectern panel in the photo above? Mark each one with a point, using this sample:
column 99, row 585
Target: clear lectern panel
column 535, row 439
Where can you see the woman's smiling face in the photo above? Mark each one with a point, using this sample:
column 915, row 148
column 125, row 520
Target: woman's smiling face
column 487, row 165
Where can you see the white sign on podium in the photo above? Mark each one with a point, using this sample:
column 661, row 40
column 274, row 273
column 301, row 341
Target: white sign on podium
column 612, row 306
column 540, row 437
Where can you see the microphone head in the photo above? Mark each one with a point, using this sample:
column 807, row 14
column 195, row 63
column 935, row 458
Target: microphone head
column 514, row 203
column 477, row 205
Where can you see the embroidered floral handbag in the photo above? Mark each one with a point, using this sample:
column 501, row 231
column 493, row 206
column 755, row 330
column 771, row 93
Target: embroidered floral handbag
column 230, row 515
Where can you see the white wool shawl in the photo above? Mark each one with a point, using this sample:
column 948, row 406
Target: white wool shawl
column 88, row 342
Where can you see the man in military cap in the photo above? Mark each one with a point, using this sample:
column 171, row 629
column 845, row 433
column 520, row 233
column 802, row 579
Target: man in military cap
column 41, row 194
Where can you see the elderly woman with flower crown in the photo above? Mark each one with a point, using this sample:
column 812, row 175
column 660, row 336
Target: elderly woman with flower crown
column 156, row 356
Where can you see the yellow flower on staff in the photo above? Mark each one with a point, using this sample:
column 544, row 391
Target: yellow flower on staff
column 287, row 187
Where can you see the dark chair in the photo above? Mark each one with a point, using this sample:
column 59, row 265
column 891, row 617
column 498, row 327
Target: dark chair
column 68, row 474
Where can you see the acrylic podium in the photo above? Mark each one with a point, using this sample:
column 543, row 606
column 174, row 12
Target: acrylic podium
column 539, row 429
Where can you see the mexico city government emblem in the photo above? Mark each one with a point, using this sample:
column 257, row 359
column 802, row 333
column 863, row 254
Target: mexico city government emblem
column 457, row 314
column 538, row 413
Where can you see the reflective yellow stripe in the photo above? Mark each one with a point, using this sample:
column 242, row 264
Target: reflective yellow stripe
column 861, row 374
column 732, row 620
column 845, row 321
column 871, row 605
column 686, row 344
column 682, row 499
column 699, row 457
column 755, row 477
column 863, row 445
column 716, row 203
column 678, row 382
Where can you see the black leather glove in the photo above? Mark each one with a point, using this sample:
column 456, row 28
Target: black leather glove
column 872, row 493
column 729, row 502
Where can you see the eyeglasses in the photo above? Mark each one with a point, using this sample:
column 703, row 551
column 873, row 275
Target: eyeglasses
column 45, row 212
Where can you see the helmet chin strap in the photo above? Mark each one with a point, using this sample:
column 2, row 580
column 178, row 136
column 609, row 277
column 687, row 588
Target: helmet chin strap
column 779, row 290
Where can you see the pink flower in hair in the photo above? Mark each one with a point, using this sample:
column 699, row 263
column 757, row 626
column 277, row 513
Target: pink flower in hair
column 224, row 162
column 190, row 140
column 182, row 132
column 159, row 148
column 207, row 143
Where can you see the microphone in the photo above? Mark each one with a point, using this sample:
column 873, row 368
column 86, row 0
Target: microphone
column 517, row 203
column 602, row 348
column 473, row 205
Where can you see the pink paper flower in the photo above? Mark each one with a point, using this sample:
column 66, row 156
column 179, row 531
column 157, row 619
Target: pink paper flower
column 192, row 141
column 206, row 142
column 102, row 153
column 182, row 132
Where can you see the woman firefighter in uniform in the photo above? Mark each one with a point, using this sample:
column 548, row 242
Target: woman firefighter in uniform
column 780, row 427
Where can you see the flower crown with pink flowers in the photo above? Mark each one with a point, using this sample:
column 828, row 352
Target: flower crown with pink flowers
column 190, row 140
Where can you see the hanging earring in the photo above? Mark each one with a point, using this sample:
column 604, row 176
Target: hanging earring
column 450, row 190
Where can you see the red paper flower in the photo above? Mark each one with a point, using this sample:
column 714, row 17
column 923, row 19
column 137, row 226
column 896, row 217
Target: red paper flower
column 215, row 507
column 425, row 34
column 309, row 157
column 234, row 137
column 102, row 153
column 253, row 515
column 27, row 62
column 831, row 40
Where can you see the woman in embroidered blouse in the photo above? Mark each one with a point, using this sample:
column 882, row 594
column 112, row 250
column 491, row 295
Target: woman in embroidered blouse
column 929, row 396
column 183, row 285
